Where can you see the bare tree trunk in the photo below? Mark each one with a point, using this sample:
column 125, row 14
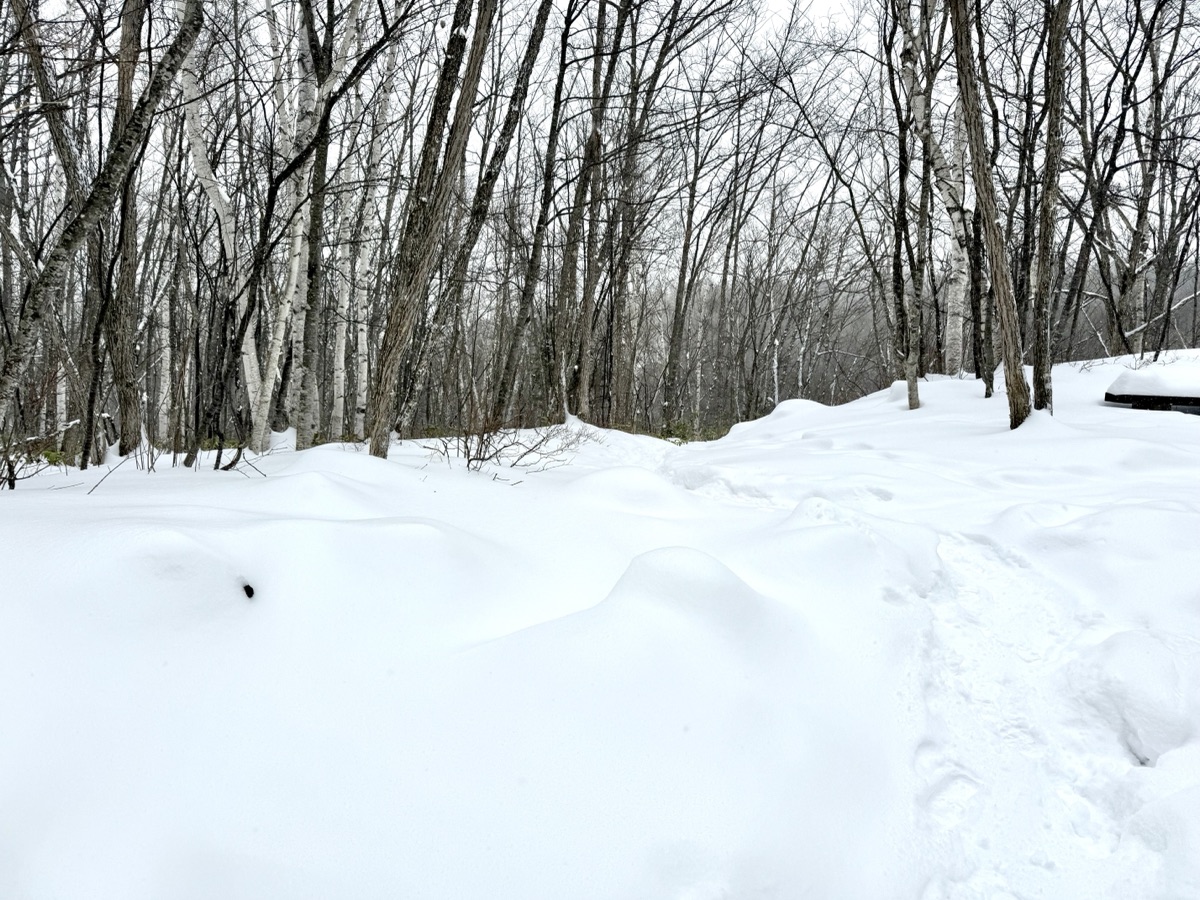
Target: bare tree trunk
column 450, row 308
column 1043, row 394
column 229, row 277
column 120, row 323
column 354, row 239
column 569, row 275
column 906, row 328
column 1019, row 405
column 53, row 109
column 307, row 413
column 428, row 202
column 348, row 236
column 948, row 173
column 289, row 300
column 698, row 157
column 327, row 62
column 958, row 281
column 505, row 385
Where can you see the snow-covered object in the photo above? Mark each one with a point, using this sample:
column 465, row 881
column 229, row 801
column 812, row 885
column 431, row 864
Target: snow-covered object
column 860, row 652
column 1179, row 380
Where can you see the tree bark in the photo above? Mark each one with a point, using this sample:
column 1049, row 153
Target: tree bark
column 569, row 274
column 905, row 337
column 120, row 322
column 1043, row 393
column 502, row 401
column 1019, row 405
column 450, row 307
column 428, row 203
column 948, row 175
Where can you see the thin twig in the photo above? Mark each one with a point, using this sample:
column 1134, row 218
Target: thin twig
column 109, row 472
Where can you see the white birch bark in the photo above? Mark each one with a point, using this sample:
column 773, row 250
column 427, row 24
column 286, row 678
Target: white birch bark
column 956, row 282
column 949, row 178
column 162, row 398
column 303, row 403
column 351, row 263
column 274, row 357
column 346, row 269
column 298, row 113
column 306, row 125
column 299, row 317
column 362, row 373
column 60, row 404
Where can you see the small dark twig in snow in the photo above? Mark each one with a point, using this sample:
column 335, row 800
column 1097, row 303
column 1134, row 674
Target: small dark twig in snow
column 247, row 462
column 109, row 472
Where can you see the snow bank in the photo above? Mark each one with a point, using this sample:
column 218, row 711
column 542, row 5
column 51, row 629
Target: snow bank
column 1134, row 681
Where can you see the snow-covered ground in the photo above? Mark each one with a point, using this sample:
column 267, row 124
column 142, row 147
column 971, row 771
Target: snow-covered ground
column 857, row 652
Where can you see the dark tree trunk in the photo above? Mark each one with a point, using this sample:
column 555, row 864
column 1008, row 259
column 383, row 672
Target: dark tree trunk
column 1043, row 395
column 120, row 321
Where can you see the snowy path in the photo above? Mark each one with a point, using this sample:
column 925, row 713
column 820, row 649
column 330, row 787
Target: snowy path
column 1001, row 747
column 1025, row 781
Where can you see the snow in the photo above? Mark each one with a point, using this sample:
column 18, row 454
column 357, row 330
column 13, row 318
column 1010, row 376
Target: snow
column 1182, row 379
column 842, row 652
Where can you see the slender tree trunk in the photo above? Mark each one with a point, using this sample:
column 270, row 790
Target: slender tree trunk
column 120, row 323
column 1019, row 405
column 428, row 208
column 76, row 441
column 569, row 275
column 1043, row 395
column 505, row 385
column 307, row 412
column 959, row 277
column 229, row 277
column 948, row 173
column 450, row 308
column 672, row 376
column 905, row 334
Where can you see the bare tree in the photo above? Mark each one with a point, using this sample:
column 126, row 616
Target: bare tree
column 119, row 161
column 1016, row 386
column 441, row 158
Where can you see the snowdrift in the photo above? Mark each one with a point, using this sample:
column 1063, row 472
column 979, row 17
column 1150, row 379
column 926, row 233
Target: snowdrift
column 858, row 652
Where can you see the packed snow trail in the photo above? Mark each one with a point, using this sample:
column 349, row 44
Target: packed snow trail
column 1000, row 741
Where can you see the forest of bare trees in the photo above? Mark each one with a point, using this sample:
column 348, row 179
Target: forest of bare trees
column 219, row 220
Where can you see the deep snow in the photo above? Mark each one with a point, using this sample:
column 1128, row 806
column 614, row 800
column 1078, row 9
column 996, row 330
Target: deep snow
column 857, row 652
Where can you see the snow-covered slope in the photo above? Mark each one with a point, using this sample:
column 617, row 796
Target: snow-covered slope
column 841, row 653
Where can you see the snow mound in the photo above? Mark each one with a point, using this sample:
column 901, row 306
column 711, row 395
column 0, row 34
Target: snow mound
column 1146, row 686
column 701, row 593
column 888, row 556
column 785, row 422
column 686, row 732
